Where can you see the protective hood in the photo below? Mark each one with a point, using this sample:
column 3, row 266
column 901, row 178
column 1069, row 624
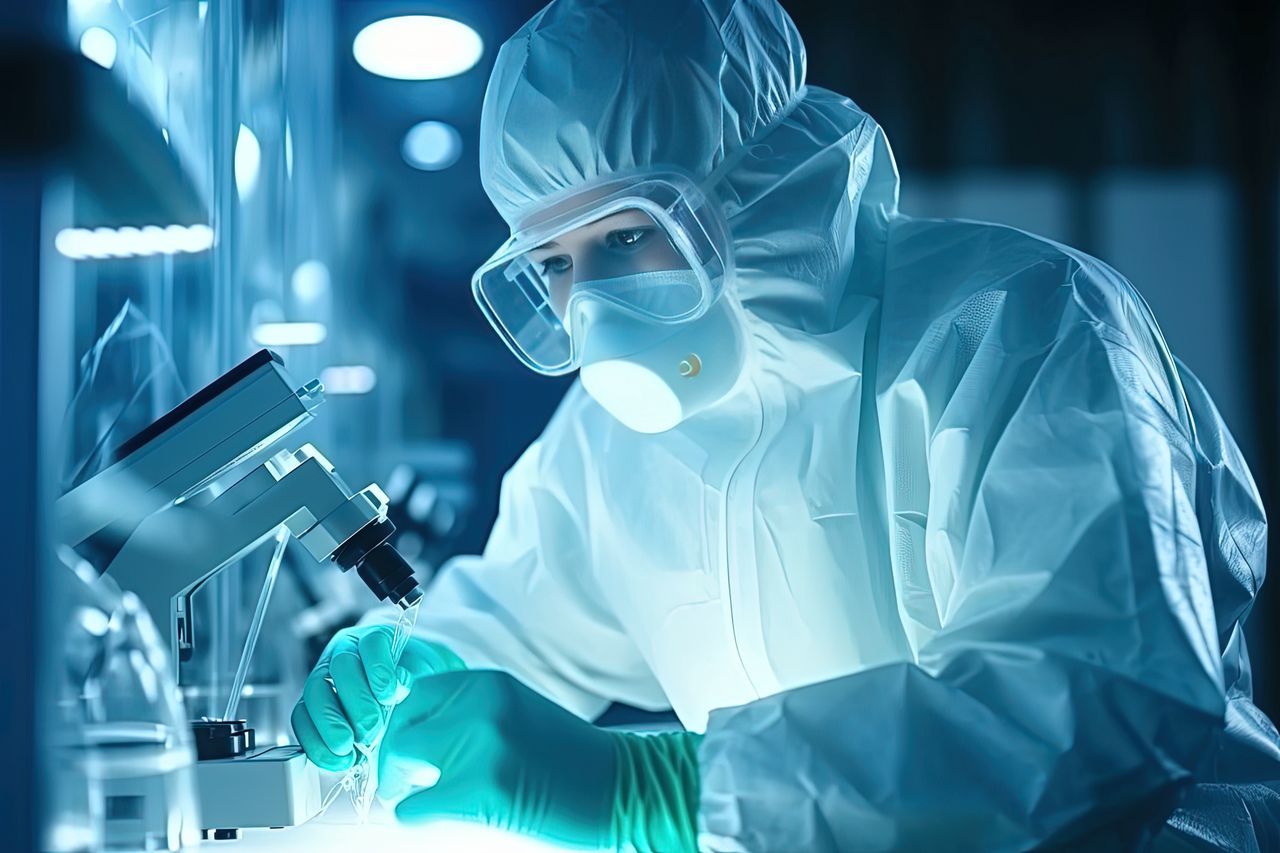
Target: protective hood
column 593, row 89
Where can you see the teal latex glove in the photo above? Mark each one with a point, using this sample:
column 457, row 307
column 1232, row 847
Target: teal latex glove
column 346, row 695
column 510, row 758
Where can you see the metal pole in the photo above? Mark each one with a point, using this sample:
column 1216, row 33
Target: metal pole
column 228, row 315
column 20, row 192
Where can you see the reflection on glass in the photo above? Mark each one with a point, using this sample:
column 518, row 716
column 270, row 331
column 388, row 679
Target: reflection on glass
column 121, row 750
column 248, row 127
column 248, row 162
column 99, row 45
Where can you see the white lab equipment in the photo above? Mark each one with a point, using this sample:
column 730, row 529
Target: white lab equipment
column 190, row 495
column 121, row 770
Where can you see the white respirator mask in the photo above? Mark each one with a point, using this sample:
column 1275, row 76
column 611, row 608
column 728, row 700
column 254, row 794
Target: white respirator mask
column 653, row 376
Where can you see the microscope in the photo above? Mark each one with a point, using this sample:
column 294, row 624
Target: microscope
column 193, row 493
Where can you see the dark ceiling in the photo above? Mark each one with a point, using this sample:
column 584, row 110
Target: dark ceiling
column 991, row 83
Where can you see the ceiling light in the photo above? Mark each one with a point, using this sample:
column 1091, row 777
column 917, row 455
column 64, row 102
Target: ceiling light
column 348, row 379
column 431, row 146
column 417, row 47
column 289, row 334
column 81, row 244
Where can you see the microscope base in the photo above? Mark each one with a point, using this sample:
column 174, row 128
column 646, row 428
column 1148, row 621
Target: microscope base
column 272, row 787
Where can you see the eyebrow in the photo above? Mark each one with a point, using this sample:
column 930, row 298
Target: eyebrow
column 550, row 244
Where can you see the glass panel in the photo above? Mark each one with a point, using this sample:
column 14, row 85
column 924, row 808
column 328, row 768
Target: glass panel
column 200, row 199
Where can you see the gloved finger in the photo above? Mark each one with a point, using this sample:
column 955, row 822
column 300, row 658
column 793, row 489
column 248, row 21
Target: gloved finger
column 424, row 739
column 313, row 745
column 435, row 695
column 445, row 801
column 401, row 775
column 404, row 680
column 342, row 641
column 326, row 712
column 409, row 748
column 362, row 710
column 409, row 759
column 379, row 664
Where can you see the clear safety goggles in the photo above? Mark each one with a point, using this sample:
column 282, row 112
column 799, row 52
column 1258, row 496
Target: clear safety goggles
column 651, row 245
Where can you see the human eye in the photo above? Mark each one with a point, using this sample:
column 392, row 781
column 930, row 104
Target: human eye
column 627, row 238
column 556, row 265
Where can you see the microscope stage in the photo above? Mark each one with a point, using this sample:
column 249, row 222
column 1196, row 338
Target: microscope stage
column 270, row 787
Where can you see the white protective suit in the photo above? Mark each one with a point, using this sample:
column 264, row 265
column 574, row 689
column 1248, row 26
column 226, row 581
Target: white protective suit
column 963, row 562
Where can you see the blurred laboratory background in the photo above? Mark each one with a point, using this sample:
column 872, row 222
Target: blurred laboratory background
column 185, row 183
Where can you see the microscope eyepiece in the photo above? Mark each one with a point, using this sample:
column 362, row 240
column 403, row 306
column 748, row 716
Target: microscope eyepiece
column 379, row 564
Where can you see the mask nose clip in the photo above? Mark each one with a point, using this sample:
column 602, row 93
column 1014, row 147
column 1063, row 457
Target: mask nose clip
column 578, row 315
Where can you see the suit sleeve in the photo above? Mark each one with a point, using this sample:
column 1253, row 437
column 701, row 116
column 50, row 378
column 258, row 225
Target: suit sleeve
column 530, row 604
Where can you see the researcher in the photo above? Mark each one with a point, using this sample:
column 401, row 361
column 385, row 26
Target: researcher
column 917, row 525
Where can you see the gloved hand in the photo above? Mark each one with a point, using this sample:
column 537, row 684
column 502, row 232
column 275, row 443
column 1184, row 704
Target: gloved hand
column 344, row 697
column 507, row 757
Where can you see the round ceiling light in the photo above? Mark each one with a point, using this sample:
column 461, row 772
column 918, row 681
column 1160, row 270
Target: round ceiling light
column 431, row 146
column 417, row 47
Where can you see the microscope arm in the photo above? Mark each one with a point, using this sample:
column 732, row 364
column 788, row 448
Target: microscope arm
column 173, row 551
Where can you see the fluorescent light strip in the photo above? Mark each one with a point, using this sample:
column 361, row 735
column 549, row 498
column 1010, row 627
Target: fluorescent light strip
column 348, row 379
column 82, row 244
column 289, row 334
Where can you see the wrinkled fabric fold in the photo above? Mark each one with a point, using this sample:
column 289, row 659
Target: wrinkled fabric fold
column 656, row 801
